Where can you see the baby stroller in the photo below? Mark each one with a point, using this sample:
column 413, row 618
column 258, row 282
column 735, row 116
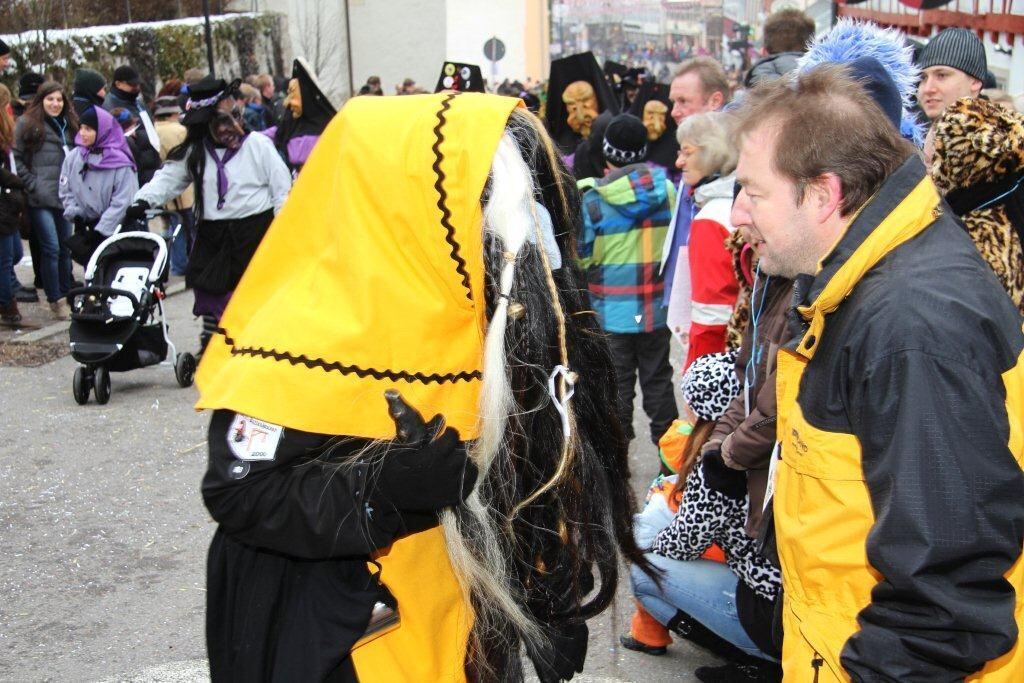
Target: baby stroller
column 117, row 318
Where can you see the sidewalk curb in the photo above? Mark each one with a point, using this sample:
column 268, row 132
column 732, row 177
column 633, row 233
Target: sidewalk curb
column 62, row 326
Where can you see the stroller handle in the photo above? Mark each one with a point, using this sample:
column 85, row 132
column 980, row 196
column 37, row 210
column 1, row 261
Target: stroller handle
column 98, row 289
column 150, row 214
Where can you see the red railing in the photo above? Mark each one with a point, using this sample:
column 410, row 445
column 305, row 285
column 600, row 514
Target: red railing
column 922, row 22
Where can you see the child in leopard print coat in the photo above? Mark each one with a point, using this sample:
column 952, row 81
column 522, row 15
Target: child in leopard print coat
column 727, row 607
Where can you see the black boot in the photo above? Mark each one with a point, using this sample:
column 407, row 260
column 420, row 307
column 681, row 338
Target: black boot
column 630, row 643
column 26, row 295
column 9, row 314
column 749, row 670
column 204, row 339
column 685, row 626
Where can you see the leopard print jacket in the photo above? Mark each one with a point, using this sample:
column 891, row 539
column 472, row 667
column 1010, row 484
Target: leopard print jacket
column 707, row 516
column 977, row 142
column 741, row 312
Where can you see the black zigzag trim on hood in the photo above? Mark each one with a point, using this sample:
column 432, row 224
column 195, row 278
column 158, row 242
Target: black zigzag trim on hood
column 442, row 195
column 393, row 375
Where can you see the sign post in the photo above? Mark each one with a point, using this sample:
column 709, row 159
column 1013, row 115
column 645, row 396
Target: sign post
column 494, row 50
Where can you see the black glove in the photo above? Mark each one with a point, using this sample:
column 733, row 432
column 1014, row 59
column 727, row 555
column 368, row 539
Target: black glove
column 137, row 211
column 427, row 468
column 565, row 654
column 82, row 244
column 12, row 181
column 719, row 477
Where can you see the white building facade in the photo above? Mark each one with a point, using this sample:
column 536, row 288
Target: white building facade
column 348, row 41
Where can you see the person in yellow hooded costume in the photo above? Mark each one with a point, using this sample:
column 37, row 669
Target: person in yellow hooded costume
column 425, row 251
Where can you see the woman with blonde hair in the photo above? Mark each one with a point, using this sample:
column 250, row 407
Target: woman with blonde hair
column 707, row 158
column 12, row 206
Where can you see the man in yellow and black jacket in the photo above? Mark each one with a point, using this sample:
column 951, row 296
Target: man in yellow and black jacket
column 898, row 494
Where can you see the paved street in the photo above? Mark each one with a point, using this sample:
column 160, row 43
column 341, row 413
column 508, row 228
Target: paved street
column 104, row 533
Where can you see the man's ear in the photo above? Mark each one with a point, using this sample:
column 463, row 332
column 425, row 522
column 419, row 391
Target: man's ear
column 826, row 193
column 976, row 87
column 716, row 100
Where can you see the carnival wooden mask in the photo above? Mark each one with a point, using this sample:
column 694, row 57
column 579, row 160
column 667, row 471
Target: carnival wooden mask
column 654, row 119
column 581, row 103
column 293, row 100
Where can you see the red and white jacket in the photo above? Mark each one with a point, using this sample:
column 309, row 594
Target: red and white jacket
column 713, row 285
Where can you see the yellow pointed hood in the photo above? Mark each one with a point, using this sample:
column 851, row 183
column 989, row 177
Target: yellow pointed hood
column 371, row 277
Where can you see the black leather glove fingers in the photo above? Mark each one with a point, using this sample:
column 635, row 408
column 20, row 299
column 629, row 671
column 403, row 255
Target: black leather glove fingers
column 434, row 476
column 136, row 211
column 409, row 426
column 722, row 478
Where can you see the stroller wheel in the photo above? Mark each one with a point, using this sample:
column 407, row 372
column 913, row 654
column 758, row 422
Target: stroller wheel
column 101, row 385
column 185, row 369
column 80, row 385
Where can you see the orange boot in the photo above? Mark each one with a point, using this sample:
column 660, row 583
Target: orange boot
column 646, row 634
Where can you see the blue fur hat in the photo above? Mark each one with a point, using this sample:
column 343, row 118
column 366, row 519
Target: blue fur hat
column 850, row 40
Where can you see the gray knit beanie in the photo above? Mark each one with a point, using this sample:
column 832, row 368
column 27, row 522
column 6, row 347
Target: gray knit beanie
column 959, row 48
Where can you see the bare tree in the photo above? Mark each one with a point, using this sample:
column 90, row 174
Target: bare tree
column 320, row 37
column 38, row 15
column 41, row 15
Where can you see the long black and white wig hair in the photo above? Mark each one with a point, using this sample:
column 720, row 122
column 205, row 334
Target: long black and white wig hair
column 537, row 545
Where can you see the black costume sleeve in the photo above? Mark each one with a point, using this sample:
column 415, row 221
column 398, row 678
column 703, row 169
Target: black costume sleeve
column 301, row 503
column 948, row 503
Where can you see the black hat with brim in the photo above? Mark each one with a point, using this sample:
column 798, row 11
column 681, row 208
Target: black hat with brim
column 203, row 98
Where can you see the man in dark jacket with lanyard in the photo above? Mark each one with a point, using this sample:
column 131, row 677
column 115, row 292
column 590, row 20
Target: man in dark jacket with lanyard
column 898, row 496
column 125, row 94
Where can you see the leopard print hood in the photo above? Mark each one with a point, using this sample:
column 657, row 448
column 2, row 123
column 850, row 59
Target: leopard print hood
column 976, row 141
column 976, row 144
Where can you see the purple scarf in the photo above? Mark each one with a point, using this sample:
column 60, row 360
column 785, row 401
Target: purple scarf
column 110, row 145
column 222, row 174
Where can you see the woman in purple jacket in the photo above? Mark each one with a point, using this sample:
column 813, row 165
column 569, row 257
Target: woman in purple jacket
column 97, row 182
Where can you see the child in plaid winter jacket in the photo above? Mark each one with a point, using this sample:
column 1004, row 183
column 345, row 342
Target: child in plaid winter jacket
column 625, row 219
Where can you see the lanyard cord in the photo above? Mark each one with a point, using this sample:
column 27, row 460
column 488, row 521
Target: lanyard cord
column 62, row 124
column 994, row 200
column 756, row 311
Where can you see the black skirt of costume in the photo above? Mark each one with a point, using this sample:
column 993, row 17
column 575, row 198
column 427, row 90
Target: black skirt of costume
column 288, row 589
column 223, row 250
column 272, row 617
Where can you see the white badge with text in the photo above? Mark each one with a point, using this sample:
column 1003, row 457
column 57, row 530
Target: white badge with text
column 772, row 473
column 253, row 440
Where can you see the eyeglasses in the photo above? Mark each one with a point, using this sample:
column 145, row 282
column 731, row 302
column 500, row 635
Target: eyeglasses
column 686, row 151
